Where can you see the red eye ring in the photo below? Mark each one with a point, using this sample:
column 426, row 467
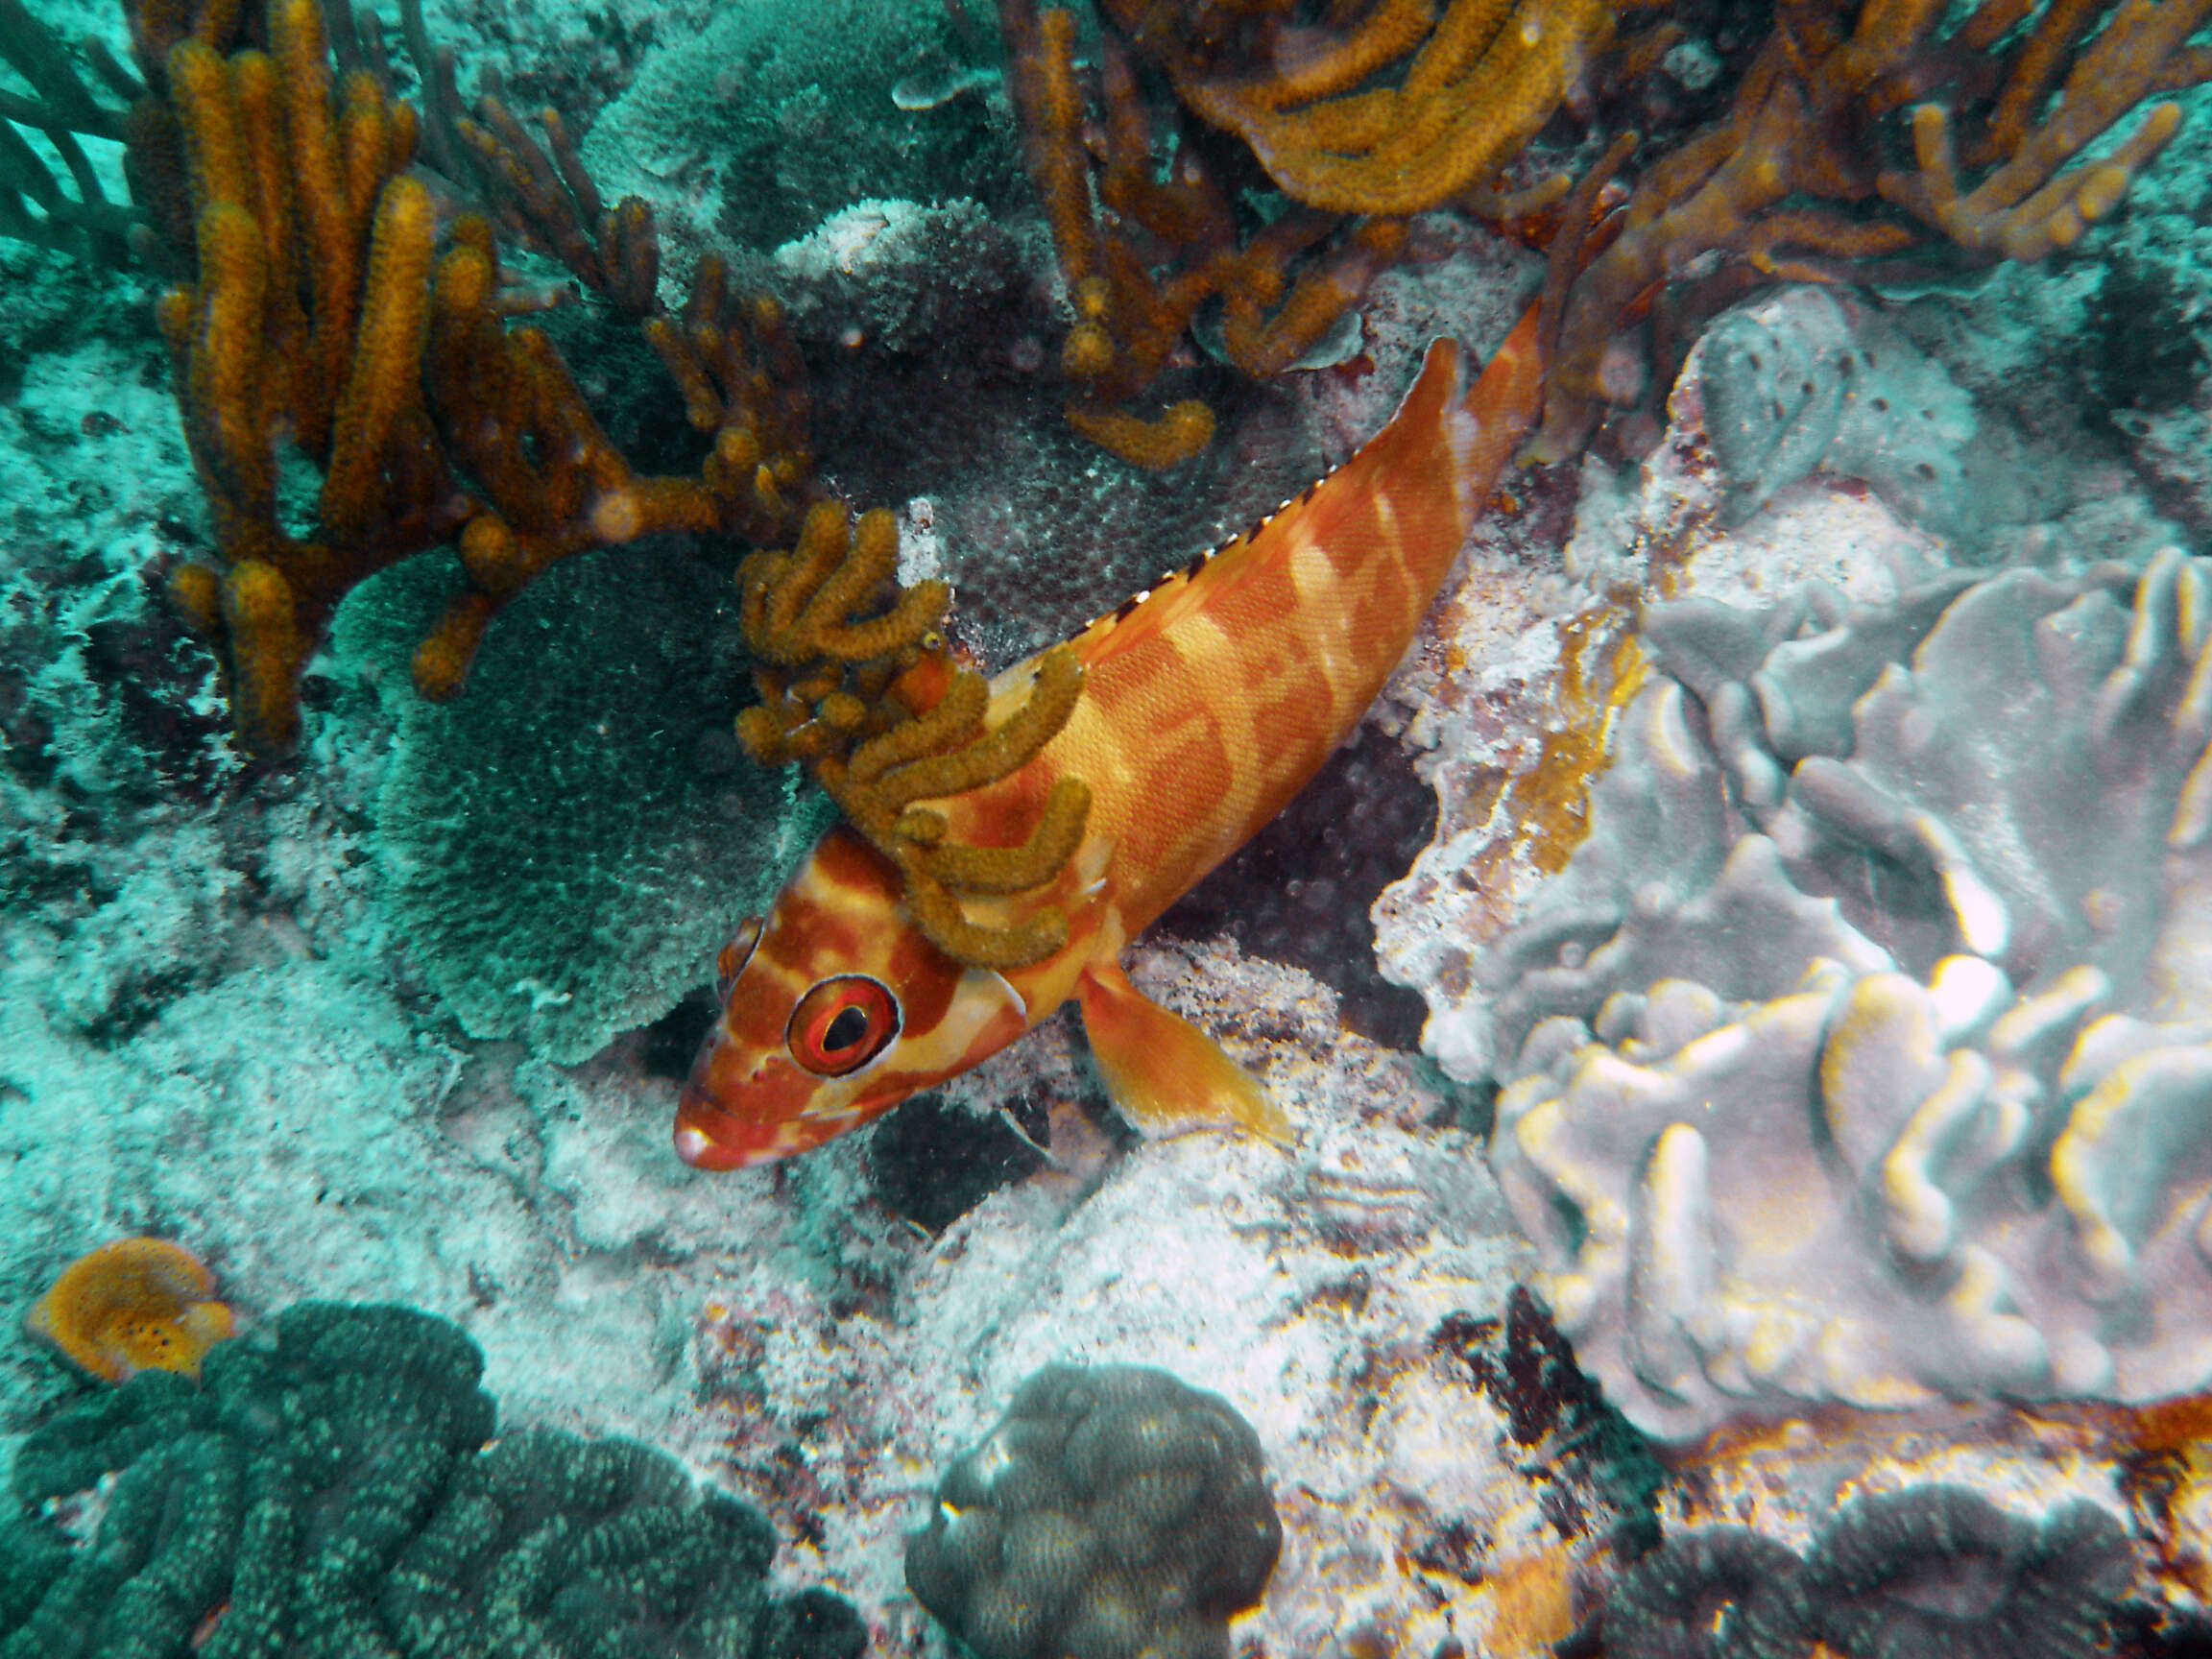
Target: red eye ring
column 842, row 1024
column 730, row 961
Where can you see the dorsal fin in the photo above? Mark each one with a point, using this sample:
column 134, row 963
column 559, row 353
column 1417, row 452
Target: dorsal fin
column 1154, row 606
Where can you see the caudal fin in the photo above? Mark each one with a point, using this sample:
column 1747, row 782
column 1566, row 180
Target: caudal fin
column 1506, row 402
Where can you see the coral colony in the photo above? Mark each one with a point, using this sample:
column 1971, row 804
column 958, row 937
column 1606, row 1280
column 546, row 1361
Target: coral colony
column 1579, row 629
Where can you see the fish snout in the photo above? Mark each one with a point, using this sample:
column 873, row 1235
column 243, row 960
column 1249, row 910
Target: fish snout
column 700, row 1149
column 731, row 1115
column 709, row 1137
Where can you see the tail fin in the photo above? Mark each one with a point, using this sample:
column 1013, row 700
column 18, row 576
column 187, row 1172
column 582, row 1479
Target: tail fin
column 1506, row 402
column 1475, row 430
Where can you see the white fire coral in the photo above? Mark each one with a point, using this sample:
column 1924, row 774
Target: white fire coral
column 1865, row 1048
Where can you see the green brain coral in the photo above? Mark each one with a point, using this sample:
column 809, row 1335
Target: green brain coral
column 1930, row 1571
column 329, row 1493
column 1114, row 1512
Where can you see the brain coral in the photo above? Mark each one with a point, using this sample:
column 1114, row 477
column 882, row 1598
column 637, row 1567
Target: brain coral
column 1929, row 1572
column 1113, row 1513
column 1863, row 1053
column 329, row 1492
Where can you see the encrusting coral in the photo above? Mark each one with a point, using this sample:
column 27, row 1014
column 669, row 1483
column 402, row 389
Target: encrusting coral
column 326, row 311
column 1113, row 1511
column 884, row 716
column 330, row 1491
column 1862, row 1052
column 130, row 1306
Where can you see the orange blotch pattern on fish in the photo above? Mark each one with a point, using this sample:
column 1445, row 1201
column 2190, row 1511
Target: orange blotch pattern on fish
column 1207, row 701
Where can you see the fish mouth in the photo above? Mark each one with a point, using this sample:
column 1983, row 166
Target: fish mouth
column 730, row 1115
column 699, row 1144
column 702, row 1151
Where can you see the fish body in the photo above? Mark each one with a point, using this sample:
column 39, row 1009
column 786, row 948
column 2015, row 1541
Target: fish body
column 1208, row 701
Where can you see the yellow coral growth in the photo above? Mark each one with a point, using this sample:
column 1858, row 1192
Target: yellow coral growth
column 543, row 196
column 1550, row 805
column 1180, row 432
column 1470, row 88
column 135, row 1304
column 326, row 313
column 738, row 367
column 876, row 705
column 1144, row 250
column 1790, row 183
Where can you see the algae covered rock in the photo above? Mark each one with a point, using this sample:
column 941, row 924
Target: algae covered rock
column 1113, row 1513
column 1800, row 380
column 330, row 1491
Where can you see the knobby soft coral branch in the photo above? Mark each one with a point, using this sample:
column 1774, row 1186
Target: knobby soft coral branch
column 326, row 309
column 1141, row 254
column 745, row 387
column 1791, row 184
column 873, row 700
column 542, row 195
column 35, row 206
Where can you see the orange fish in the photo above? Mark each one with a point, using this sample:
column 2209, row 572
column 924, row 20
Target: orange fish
column 1208, row 702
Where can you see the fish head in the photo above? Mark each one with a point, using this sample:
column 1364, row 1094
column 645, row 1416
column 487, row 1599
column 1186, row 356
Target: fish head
column 835, row 1009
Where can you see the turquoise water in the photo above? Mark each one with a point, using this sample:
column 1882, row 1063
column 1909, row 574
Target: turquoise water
column 1733, row 1011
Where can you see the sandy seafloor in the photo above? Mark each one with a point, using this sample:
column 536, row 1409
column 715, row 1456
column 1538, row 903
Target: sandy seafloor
column 403, row 1019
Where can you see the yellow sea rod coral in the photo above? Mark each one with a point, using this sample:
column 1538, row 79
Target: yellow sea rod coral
column 135, row 1304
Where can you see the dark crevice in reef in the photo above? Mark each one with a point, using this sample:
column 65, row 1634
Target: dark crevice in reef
column 1299, row 890
column 932, row 1162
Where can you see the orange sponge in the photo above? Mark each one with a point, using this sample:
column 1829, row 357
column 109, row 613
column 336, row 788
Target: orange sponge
column 135, row 1304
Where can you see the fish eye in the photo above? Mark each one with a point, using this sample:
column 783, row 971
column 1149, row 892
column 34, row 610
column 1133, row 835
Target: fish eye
column 734, row 956
column 842, row 1024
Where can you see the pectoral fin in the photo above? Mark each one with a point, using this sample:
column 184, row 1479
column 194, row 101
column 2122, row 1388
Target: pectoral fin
column 1161, row 1072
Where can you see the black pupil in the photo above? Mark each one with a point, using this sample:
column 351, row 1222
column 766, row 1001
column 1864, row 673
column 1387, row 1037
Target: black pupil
column 848, row 1028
